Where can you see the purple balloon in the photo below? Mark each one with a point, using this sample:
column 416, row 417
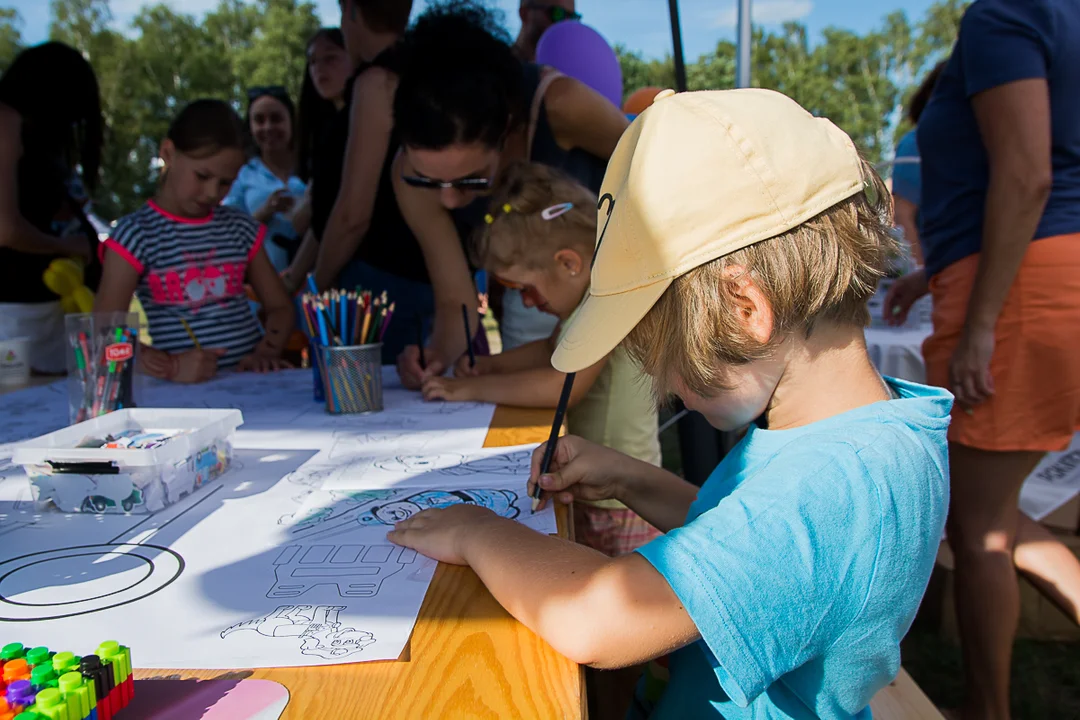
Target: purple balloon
column 580, row 52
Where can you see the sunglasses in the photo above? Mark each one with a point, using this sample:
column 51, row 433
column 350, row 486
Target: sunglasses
column 465, row 184
column 555, row 13
column 276, row 91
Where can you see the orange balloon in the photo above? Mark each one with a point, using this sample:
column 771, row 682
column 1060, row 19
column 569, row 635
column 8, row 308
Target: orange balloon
column 639, row 100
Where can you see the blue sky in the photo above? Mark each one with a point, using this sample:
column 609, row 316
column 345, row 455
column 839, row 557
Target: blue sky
column 638, row 24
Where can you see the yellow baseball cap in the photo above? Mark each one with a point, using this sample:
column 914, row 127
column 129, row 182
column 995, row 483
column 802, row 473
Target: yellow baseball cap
column 695, row 177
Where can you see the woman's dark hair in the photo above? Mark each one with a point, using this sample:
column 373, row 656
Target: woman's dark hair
column 460, row 82
column 206, row 127
column 55, row 92
column 382, row 16
column 922, row 96
column 280, row 94
column 315, row 111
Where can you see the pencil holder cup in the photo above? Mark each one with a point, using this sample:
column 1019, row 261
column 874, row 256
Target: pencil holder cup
column 352, row 378
column 318, row 392
column 101, row 354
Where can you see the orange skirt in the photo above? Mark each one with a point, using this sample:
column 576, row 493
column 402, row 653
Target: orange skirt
column 1036, row 361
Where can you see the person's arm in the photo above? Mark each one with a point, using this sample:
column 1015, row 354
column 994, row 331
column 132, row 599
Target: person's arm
column 278, row 309
column 536, row 387
column 582, row 118
column 308, row 252
column 118, row 282
column 905, row 213
column 16, row 233
column 579, row 600
column 370, row 124
column 1014, row 122
column 535, row 354
column 301, row 219
column 451, row 279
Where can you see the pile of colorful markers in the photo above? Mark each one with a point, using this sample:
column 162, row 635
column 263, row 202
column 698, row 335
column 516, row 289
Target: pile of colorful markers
column 104, row 368
column 338, row 317
column 39, row 684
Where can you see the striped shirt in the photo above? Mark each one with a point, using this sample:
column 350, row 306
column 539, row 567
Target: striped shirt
column 193, row 270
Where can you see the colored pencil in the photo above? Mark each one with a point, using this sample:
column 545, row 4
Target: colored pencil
column 553, row 437
column 468, row 335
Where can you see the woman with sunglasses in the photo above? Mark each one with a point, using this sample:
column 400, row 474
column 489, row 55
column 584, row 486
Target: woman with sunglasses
column 465, row 106
column 536, row 17
column 267, row 187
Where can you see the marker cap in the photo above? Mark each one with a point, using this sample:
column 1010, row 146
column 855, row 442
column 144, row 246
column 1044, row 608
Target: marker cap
column 37, row 656
column 16, row 669
column 11, row 651
column 42, row 674
column 49, row 698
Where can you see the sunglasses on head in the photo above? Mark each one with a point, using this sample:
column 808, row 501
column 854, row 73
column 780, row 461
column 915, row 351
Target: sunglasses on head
column 555, row 13
column 276, row 91
column 469, row 183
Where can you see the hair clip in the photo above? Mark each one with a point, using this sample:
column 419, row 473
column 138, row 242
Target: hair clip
column 488, row 219
column 556, row 210
column 507, row 208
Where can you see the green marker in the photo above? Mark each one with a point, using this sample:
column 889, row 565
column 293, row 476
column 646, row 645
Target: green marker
column 73, row 688
column 50, row 703
column 31, row 715
column 12, row 651
column 43, row 676
column 38, row 656
column 65, row 662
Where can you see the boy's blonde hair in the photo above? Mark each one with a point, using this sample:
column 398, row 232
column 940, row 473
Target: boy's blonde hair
column 516, row 230
column 821, row 271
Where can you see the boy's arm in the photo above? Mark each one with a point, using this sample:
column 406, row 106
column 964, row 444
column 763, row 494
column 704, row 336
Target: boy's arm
column 538, row 387
column 595, row 610
column 536, row 354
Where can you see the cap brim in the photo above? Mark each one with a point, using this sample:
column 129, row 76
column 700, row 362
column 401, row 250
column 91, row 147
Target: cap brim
column 601, row 323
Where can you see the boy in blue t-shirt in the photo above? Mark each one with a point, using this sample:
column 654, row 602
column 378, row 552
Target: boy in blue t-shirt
column 740, row 239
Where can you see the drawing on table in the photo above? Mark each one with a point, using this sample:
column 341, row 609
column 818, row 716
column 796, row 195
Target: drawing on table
column 97, row 577
column 317, row 626
column 366, row 508
column 347, row 445
column 33, row 412
column 438, row 407
column 356, row 571
column 513, row 464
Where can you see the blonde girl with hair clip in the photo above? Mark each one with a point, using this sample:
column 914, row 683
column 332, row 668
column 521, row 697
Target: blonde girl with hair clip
column 538, row 237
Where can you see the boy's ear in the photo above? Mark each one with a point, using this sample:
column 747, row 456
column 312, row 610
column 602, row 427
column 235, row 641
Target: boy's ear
column 751, row 306
column 570, row 260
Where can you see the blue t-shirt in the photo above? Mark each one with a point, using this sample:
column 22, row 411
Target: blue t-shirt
column 906, row 182
column 804, row 559
column 253, row 186
column 1000, row 41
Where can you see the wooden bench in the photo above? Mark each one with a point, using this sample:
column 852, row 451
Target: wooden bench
column 903, row 700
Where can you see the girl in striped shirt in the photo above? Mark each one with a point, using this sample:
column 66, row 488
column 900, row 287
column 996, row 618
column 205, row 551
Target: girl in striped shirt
column 187, row 258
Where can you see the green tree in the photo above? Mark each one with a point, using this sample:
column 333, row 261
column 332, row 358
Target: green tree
column 10, row 36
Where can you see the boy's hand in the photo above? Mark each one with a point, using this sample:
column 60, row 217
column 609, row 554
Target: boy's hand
column 902, row 295
column 579, row 470
column 409, row 370
column 195, row 366
column 452, row 389
column 440, row 533
column 462, row 369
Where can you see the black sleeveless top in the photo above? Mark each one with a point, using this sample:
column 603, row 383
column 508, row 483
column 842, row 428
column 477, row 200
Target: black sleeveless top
column 579, row 164
column 42, row 178
column 388, row 244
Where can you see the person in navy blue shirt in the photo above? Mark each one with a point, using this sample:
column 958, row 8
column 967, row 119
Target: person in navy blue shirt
column 1000, row 230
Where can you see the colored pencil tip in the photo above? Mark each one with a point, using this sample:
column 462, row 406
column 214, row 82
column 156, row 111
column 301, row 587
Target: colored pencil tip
column 535, row 503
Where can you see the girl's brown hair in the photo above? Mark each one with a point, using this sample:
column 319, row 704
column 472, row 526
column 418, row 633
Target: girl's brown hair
column 518, row 231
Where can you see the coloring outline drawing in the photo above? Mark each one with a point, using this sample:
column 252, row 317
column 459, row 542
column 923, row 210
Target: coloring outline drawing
column 317, row 626
column 355, row 570
column 350, row 509
column 513, row 464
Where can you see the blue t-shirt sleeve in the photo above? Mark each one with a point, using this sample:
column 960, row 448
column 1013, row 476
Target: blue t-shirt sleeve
column 237, row 196
column 772, row 578
column 1003, row 41
column 905, row 176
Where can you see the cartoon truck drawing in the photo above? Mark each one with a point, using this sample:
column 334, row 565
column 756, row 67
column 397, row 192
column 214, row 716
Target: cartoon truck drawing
column 89, row 493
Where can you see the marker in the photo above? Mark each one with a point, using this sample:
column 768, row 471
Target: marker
column 51, row 704
column 553, row 438
column 11, row 651
column 75, row 692
column 30, row 715
column 6, row 711
column 21, row 693
column 38, row 656
column 16, row 669
column 42, row 677
column 65, row 662
column 468, row 335
column 90, row 666
column 110, row 653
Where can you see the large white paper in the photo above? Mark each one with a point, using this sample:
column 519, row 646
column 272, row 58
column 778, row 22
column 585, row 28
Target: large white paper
column 1054, row 482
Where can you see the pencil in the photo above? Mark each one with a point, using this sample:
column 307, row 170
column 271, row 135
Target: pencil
column 420, row 340
column 191, row 334
column 468, row 335
column 553, row 438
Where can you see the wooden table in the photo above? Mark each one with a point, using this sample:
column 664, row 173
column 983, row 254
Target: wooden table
column 467, row 657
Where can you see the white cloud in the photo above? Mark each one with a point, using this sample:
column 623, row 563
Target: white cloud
column 765, row 12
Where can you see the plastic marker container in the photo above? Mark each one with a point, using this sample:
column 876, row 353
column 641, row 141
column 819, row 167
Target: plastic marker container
column 181, row 450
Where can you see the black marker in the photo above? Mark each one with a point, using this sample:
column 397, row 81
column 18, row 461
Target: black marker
column 553, row 438
column 90, row 668
column 468, row 335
